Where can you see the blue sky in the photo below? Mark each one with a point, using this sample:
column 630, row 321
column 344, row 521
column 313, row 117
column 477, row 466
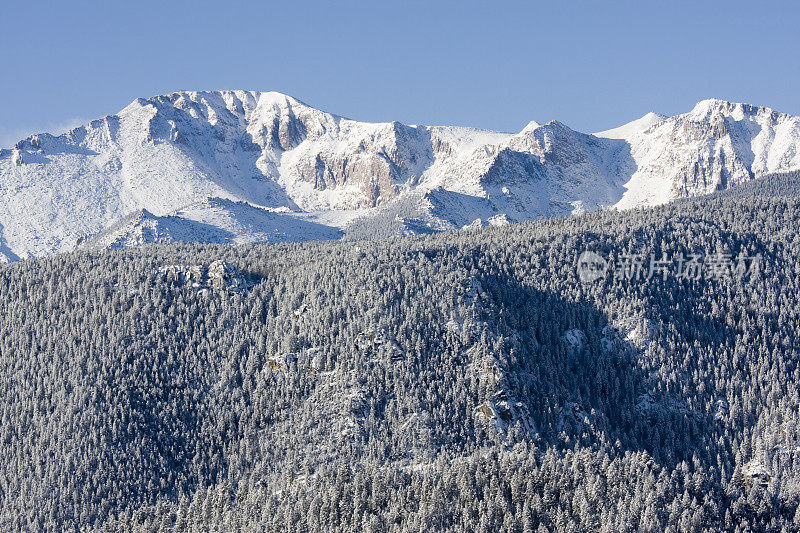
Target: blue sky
column 497, row 65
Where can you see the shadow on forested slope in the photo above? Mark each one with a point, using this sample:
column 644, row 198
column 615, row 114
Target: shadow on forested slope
column 583, row 381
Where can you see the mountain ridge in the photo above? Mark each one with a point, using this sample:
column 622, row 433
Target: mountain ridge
column 271, row 150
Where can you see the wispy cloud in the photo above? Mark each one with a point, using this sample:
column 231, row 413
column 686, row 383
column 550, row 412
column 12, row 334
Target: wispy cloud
column 10, row 136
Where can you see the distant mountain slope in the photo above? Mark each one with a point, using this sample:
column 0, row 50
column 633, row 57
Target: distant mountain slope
column 632, row 128
column 717, row 145
column 213, row 220
column 168, row 152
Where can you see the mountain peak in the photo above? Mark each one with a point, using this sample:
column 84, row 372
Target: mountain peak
column 633, row 127
column 231, row 99
column 716, row 106
column 709, row 105
column 532, row 125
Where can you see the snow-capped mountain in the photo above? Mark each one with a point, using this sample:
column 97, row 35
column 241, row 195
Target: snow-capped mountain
column 239, row 166
column 716, row 145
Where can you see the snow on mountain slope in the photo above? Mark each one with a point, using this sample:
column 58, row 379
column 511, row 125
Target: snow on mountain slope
column 170, row 151
column 633, row 127
column 715, row 146
column 213, row 220
column 425, row 211
column 268, row 150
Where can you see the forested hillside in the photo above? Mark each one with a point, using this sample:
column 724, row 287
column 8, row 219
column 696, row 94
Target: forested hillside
column 465, row 381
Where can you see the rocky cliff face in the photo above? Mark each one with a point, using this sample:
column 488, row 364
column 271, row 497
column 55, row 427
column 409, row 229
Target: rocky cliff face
column 270, row 151
column 715, row 146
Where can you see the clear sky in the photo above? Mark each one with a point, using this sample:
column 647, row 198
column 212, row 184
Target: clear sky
column 491, row 64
